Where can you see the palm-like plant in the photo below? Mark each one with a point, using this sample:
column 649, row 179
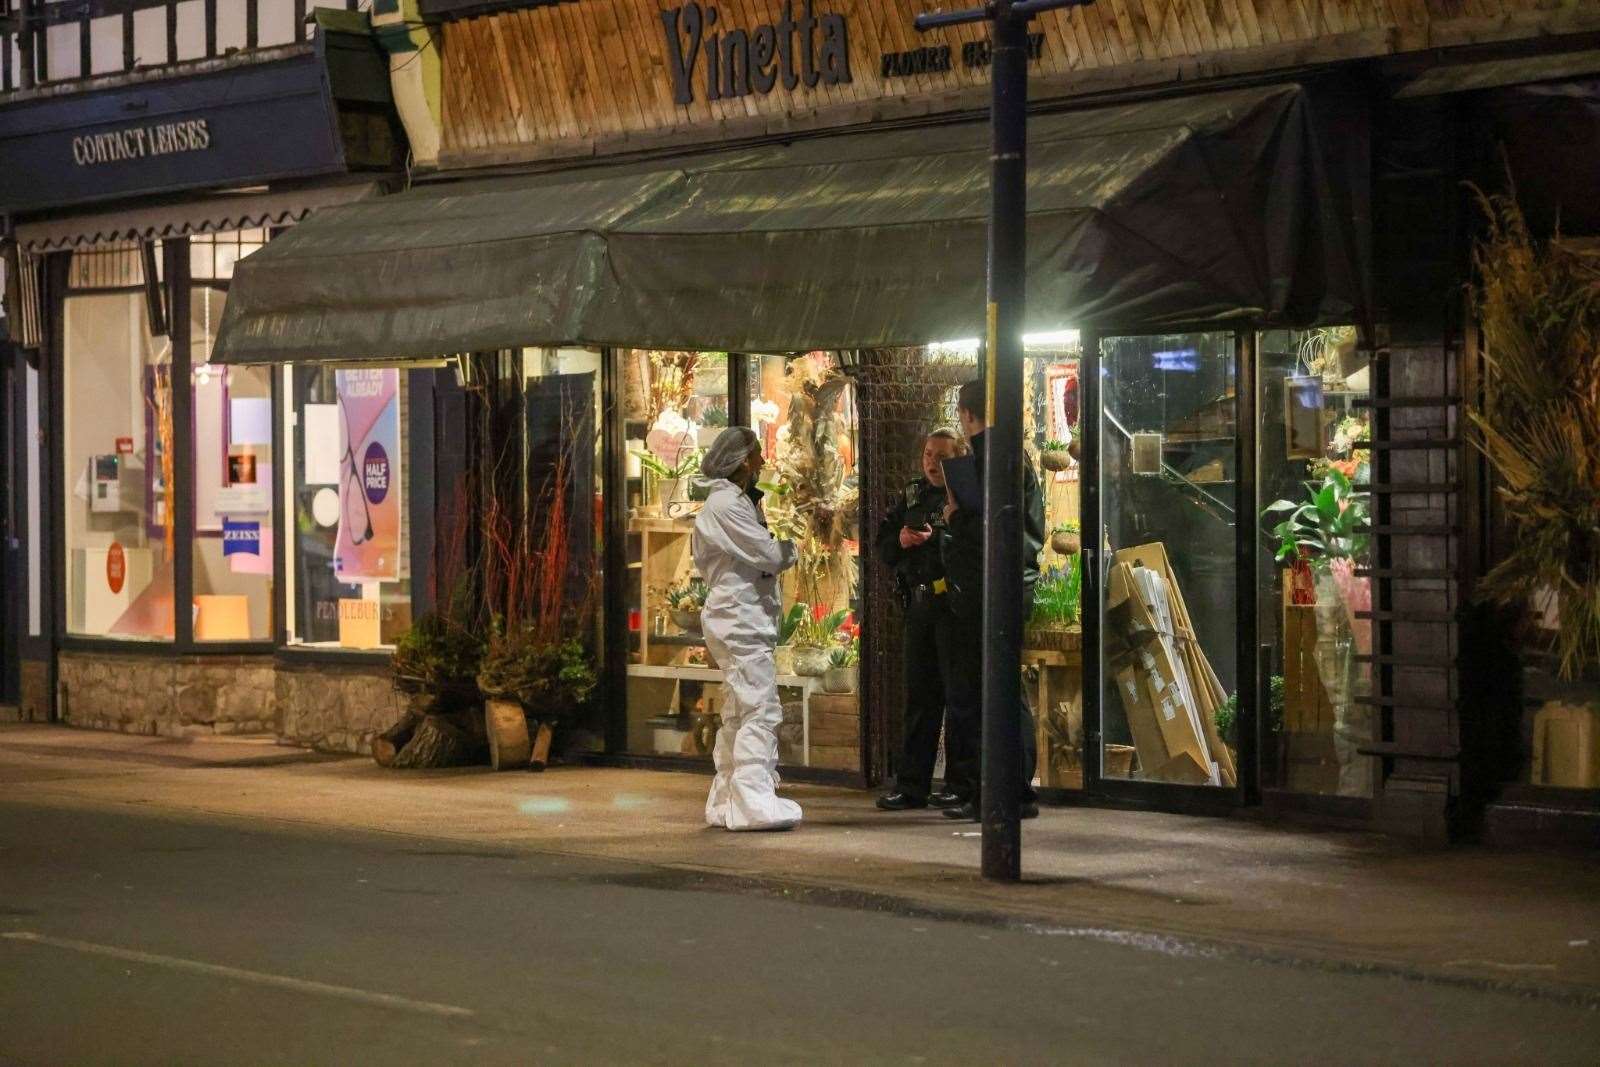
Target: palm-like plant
column 1539, row 422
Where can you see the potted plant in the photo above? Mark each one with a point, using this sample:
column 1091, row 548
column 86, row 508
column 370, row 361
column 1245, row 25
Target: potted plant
column 435, row 661
column 685, row 602
column 1065, row 538
column 1327, row 533
column 1053, row 625
column 545, row 681
column 843, row 667
column 669, row 476
column 1055, row 456
column 788, row 624
column 713, row 420
column 813, row 639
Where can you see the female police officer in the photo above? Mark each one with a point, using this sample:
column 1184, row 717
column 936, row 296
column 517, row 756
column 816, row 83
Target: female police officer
column 906, row 542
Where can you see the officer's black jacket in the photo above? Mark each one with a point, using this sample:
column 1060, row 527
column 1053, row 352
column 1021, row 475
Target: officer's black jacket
column 921, row 504
column 961, row 545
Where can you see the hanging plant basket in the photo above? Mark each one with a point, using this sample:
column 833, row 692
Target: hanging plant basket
column 1056, row 459
column 1068, row 542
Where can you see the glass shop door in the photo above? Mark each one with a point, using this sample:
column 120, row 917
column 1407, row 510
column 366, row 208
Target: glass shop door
column 1162, row 586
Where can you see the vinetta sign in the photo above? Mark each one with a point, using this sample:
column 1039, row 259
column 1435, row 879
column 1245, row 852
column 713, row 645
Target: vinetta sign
column 811, row 50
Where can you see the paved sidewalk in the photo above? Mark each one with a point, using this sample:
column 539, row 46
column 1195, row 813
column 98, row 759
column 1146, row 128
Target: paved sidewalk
column 1165, row 882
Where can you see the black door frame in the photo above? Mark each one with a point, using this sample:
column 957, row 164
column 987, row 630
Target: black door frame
column 1158, row 795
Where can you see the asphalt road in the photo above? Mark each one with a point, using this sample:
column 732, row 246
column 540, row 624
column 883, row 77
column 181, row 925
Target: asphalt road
column 128, row 938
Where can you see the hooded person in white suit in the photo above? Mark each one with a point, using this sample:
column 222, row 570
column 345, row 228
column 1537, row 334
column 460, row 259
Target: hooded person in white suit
column 740, row 561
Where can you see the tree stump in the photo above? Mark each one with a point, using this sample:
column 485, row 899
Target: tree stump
column 507, row 728
column 437, row 742
column 540, row 756
column 387, row 745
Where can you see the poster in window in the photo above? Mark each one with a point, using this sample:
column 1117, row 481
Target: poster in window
column 367, row 548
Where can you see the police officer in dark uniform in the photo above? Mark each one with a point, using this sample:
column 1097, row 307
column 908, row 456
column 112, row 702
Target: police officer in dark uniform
column 961, row 546
column 907, row 541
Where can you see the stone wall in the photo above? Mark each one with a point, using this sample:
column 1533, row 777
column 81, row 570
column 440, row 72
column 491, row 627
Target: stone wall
column 33, row 704
column 336, row 707
column 174, row 696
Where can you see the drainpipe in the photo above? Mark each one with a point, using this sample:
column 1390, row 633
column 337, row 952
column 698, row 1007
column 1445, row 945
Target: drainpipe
column 413, row 49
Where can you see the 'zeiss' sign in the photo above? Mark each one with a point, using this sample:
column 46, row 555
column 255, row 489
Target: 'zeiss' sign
column 240, row 537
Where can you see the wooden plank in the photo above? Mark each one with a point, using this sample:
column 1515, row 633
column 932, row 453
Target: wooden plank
column 534, row 74
column 623, row 59
column 517, row 121
column 536, row 26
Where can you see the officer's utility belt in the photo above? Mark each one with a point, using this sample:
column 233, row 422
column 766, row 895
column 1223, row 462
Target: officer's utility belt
column 927, row 591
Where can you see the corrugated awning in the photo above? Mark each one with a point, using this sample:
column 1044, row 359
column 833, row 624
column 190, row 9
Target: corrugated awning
column 213, row 214
column 1183, row 210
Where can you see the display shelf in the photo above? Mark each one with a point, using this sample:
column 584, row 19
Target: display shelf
column 679, row 640
column 807, row 684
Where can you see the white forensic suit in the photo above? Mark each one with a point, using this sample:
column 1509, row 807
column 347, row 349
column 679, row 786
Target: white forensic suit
column 740, row 562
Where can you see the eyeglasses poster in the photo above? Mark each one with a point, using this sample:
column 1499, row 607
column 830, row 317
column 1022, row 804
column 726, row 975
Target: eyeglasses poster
column 368, row 544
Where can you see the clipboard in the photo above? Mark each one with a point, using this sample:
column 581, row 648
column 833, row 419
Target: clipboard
column 961, row 475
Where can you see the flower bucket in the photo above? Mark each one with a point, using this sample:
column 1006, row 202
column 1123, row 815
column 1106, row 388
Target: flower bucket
column 811, row 661
column 839, row 680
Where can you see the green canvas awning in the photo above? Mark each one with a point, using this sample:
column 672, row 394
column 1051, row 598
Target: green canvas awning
column 1182, row 210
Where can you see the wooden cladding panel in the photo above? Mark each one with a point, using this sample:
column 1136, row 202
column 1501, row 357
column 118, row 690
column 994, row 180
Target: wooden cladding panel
column 564, row 78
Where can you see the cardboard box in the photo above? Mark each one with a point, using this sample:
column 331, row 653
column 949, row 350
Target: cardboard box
column 1165, row 684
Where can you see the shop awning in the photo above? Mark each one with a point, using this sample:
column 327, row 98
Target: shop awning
column 1182, row 210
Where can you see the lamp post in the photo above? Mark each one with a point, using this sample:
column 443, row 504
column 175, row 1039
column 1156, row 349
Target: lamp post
column 1002, row 474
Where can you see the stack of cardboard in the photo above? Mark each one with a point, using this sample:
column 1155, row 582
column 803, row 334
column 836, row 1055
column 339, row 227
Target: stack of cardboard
column 1162, row 676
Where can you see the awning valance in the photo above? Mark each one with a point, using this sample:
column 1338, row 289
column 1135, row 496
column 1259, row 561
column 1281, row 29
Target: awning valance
column 214, row 214
column 1181, row 210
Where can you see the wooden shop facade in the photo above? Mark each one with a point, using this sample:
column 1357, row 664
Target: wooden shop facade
column 632, row 222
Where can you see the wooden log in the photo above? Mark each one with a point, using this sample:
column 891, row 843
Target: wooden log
column 437, row 742
column 540, row 757
column 387, row 745
column 507, row 730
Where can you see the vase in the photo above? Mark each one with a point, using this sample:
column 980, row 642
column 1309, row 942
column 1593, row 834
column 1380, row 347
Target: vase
column 811, row 661
column 783, row 657
column 1345, row 682
column 839, row 679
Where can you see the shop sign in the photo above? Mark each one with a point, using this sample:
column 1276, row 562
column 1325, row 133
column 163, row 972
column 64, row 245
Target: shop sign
column 939, row 59
column 811, row 50
column 241, row 537
column 367, row 545
column 141, row 142
column 116, row 567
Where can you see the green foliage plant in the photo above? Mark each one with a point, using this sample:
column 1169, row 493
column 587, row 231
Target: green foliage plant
column 689, row 464
column 1329, row 525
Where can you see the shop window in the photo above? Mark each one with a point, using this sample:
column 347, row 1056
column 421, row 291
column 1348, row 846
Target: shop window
column 803, row 409
column 233, row 463
column 1053, row 636
column 117, row 434
column 1312, row 476
column 1169, row 505
column 347, row 479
